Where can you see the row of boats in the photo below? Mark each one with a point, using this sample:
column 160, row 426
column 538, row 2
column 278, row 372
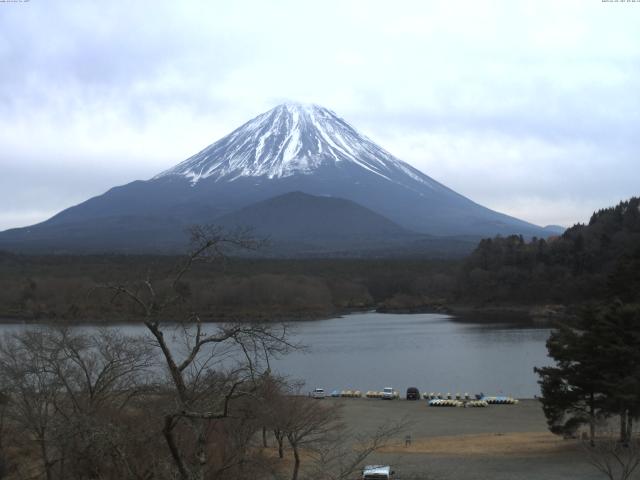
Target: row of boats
column 478, row 403
column 433, row 399
column 438, row 399
column 319, row 393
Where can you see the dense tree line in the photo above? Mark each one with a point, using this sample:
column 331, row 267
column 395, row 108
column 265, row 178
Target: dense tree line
column 56, row 287
column 578, row 266
column 595, row 381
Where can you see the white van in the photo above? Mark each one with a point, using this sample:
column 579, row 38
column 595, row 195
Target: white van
column 377, row 472
column 318, row 393
column 388, row 393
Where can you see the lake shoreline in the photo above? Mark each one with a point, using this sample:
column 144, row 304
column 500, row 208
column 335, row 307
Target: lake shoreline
column 368, row 351
column 543, row 314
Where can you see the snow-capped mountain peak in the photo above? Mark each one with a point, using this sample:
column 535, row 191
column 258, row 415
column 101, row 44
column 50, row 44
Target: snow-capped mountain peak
column 292, row 139
column 276, row 173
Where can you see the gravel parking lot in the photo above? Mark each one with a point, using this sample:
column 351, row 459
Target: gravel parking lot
column 498, row 442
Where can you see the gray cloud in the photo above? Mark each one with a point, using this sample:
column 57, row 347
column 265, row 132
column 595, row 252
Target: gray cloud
column 530, row 109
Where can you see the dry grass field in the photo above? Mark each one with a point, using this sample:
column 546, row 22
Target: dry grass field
column 500, row 442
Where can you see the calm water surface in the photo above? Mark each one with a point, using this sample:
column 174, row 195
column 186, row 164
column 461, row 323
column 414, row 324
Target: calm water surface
column 369, row 351
column 433, row 352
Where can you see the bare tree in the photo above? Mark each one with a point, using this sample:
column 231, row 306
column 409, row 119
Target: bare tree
column 213, row 364
column 316, row 429
column 615, row 459
column 272, row 409
column 32, row 391
column 65, row 388
column 306, row 423
column 94, row 404
column 343, row 452
column 101, row 374
column 96, row 370
column 4, row 401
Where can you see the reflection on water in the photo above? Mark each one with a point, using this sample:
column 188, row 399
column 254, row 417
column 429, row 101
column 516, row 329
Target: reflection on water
column 368, row 351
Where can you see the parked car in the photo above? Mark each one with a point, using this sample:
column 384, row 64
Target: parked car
column 413, row 393
column 377, row 472
column 318, row 393
column 388, row 393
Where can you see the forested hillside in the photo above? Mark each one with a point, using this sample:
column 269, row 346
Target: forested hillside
column 588, row 262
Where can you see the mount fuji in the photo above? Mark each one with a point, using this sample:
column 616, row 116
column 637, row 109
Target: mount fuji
column 294, row 147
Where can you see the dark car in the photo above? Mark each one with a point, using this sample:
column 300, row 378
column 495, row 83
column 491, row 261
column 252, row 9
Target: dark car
column 413, row 393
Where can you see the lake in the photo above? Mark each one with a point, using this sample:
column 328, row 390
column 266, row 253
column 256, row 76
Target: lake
column 434, row 352
column 369, row 351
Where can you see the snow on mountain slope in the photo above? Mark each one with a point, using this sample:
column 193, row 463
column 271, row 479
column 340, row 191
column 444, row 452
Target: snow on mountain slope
column 294, row 139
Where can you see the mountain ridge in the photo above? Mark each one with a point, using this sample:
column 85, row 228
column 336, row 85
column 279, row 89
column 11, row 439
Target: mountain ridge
column 290, row 148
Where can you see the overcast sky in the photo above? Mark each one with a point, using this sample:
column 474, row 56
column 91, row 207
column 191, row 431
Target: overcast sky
column 529, row 108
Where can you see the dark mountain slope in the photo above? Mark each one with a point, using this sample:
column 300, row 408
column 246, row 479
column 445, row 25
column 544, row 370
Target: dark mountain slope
column 300, row 216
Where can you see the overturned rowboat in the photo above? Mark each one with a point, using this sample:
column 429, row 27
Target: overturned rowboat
column 500, row 400
column 476, row 404
column 436, row 402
